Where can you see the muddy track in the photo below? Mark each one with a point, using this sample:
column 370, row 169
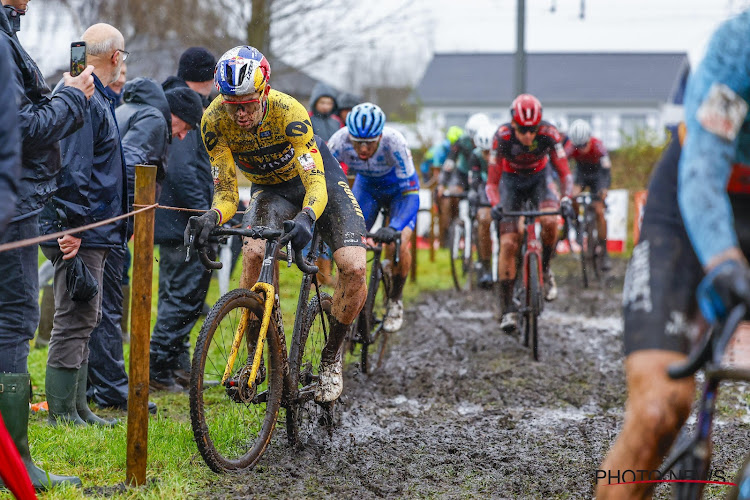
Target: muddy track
column 459, row 409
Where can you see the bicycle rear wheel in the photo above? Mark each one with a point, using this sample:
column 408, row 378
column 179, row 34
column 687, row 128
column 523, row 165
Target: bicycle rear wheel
column 370, row 323
column 462, row 256
column 233, row 423
column 304, row 415
column 534, row 306
column 592, row 248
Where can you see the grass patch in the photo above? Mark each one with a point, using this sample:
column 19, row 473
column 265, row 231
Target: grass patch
column 175, row 468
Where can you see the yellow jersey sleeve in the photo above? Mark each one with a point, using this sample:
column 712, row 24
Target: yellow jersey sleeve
column 308, row 161
column 223, row 169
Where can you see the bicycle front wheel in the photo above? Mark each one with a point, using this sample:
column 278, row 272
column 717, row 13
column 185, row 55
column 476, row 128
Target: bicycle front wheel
column 462, row 262
column 370, row 322
column 533, row 305
column 304, row 415
column 233, row 423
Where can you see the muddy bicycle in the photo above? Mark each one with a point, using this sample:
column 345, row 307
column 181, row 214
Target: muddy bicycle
column 368, row 327
column 693, row 453
column 464, row 244
column 528, row 294
column 241, row 372
column 588, row 238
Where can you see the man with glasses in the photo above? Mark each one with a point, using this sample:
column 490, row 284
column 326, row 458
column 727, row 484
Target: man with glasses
column 92, row 187
column 268, row 136
column 517, row 173
column 386, row 176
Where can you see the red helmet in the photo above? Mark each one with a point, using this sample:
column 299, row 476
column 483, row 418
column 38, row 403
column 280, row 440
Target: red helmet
column 526, row 110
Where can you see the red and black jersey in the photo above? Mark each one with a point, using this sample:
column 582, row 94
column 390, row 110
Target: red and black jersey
column 592, row 159
column 509, row 155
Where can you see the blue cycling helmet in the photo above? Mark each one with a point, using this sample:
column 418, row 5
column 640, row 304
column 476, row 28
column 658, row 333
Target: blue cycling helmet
column 365, row 121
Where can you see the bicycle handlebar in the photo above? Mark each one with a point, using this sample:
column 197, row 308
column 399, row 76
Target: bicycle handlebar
column 258, row 233
column 396, row 240
column 712, row 345
column 528, row 214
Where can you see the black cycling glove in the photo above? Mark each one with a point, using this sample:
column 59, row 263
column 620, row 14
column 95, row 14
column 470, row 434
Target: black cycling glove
column 386, row 234
column 566, row 209
column 726, row 286
column 497, row 211
column 200, row 228
column 299, row 229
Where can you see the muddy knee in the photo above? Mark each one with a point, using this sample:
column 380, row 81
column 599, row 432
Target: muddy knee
column 659, row 418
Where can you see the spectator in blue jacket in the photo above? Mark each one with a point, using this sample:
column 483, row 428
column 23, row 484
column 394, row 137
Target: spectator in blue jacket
column 189, row 184
column 91, row 187
column 147, row 121
column 42, row 122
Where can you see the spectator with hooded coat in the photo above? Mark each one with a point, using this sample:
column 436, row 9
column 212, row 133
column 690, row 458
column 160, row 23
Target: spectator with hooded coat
column 10, row 138
column 322, row 111
column 144, row 121
column 182, row 285
column 42, row 122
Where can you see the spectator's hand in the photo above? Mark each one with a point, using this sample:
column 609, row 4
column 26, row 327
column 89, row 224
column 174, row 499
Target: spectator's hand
column 497, row 212
column 566, row 208
column 69, row 246
column 724, row 287
column 386, row 234
column 200, row 228
column 83, row 82
column 298, row 230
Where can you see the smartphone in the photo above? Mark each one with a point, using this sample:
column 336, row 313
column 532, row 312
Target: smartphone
column 77, row 58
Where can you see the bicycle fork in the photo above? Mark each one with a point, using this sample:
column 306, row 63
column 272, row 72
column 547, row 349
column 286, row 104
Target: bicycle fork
column 268, row 292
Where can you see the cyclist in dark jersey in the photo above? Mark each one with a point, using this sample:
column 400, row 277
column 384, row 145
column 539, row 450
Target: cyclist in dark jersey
column 518, row 161
column 478, row 165
column 593, row 171
column 696, row 230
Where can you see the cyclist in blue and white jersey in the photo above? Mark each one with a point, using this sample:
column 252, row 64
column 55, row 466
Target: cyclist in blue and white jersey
column 385, row 176
column 692, row 257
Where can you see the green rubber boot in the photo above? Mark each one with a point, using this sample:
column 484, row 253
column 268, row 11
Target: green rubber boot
column 61, row 396
column 82, row 406
column 15, row 389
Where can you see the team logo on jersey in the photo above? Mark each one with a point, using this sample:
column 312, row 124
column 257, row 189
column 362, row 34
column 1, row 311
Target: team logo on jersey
column 265, row 133
column 306, row 161
column 722, row 112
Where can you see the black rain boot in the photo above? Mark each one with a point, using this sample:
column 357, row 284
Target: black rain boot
column 82, row 406
column 15, row 389
column 62, row 384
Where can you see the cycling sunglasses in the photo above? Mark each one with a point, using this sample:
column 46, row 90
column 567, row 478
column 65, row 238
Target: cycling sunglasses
column 357, row 142
column 233, row 106
column 529, row 129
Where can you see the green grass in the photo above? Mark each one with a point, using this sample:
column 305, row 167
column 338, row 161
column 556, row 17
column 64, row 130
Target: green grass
column 175, row 468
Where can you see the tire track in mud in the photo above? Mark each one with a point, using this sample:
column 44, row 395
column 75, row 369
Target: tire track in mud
column 459, row 409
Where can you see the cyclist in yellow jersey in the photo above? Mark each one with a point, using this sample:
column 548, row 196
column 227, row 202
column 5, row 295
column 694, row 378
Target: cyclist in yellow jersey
column 268, row 136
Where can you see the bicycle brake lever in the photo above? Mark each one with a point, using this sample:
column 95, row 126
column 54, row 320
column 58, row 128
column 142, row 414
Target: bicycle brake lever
column 288, row 254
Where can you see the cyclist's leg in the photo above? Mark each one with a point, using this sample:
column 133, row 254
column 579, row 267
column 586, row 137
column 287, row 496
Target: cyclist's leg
column 484, row 241
column 267, row 208
column 658, row 303
column 342, row 226
column 512, row 198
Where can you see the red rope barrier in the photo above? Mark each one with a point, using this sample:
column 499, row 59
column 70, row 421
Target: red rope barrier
column 49, row 237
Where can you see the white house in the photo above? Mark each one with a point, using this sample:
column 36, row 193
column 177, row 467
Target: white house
column 617, row 93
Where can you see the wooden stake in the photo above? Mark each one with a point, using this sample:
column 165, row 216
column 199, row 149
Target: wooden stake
column 140, row 326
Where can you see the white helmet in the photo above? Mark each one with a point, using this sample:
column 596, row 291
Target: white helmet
column 484, row 136
column 474, row 123
column 579, row 133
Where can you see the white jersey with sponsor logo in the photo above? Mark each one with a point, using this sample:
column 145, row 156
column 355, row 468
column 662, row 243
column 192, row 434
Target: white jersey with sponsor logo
column 393, row 154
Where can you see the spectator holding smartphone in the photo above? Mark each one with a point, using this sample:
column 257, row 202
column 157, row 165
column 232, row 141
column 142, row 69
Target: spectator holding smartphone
column 42, row 122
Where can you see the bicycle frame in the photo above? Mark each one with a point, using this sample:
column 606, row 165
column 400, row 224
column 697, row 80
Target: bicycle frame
column 710, row 354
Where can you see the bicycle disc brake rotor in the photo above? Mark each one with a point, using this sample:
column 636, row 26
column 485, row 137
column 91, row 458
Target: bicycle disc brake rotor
column 239, row 390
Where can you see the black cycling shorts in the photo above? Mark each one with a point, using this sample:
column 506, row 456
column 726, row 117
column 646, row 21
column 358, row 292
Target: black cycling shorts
column 595, row 181
column 458, row 178
column 659, row 301
column 516, row 189
column 341, row 224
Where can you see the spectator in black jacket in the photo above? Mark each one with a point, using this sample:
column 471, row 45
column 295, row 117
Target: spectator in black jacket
column 10, row 137
column 91, row 187
column 148, row 121
column 42, row 123
column 322, row 111
column 182, row 285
